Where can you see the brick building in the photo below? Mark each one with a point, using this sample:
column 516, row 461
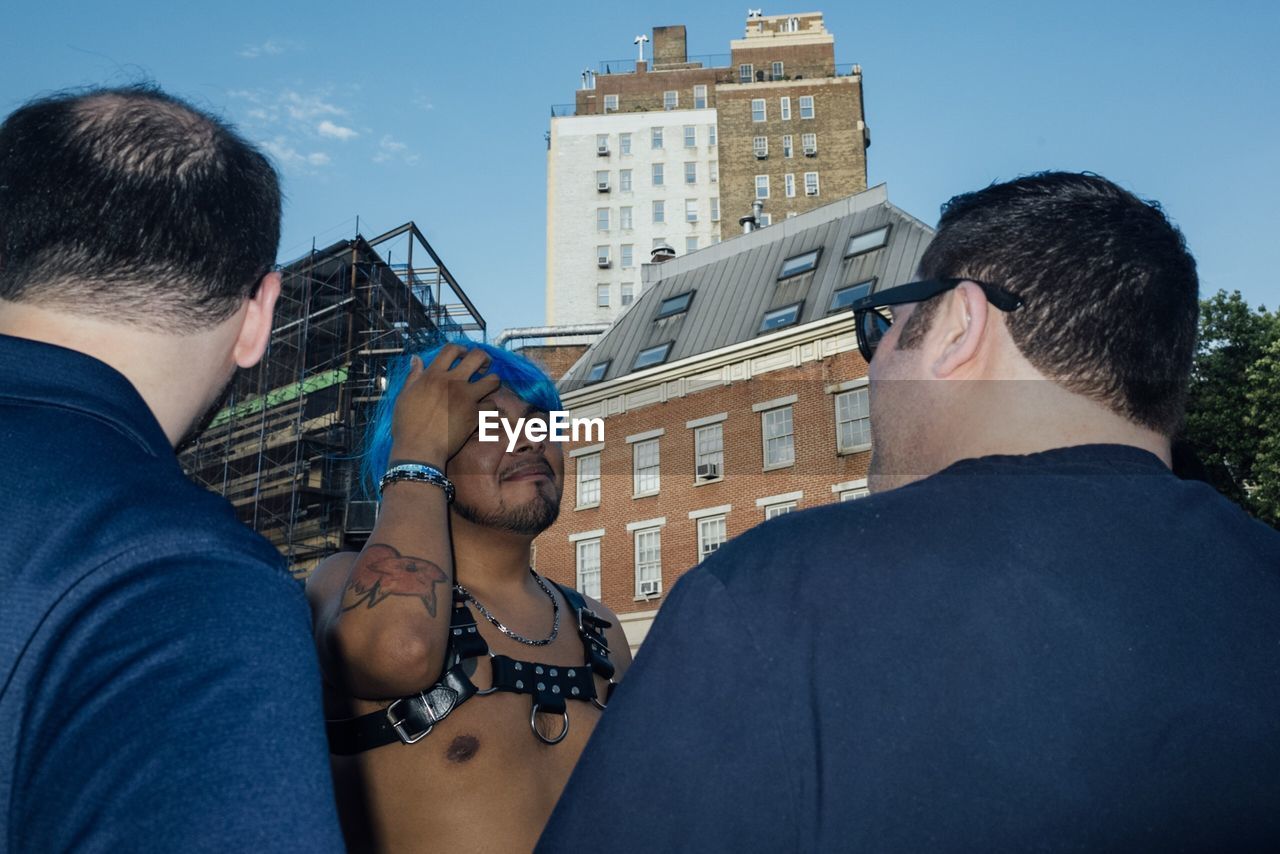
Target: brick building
column 674, row 150
column 731, row 391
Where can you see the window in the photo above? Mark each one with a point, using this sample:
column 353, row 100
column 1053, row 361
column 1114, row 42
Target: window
column 602, row 256
column 708, row 443
column 811, row 183
column 690, row 244
column 797, row 264
column 602, row 219
column 760, row 147
column 625, row 221
column 659, row 241
column 867, row 241
column 690, row 136
column 779, row 445
column 765, row 219
column 762, row 186
column 651, row 356
column 655, row 138
column 589, row 472
column 628, row 294
column 659, row 211
column 670, row 99
column 677, row 304
column 597, row 372
column 627, row 256
column 691, row 173
column 624, row 143
column 690, row 210
column 589, row 567
column 853, row 420
column 784, row 105
column 806, row 106
column 789, row 184
column 659, row 171
column 776, row 74
column 845, row 296
column 757, row 110
column 699, row 97
column 602, row 143
column 715, row 209
column 602, row 296
column 711, row 135
column 746, row 73
column 624, row 180
column 713, row 171
column 809, row 142
column 711, row 536
column 786, row 146
column 853, row 494
column 648, row 479
column 649, row 562
column 775, row 510
column 602, row 180
column 780, row 317
column 793, row 25
column 611, row 103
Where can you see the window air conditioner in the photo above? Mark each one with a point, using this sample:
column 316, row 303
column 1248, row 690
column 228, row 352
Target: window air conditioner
column 811, row 191
column 603, row 186
column 708, row 471
column 602, row 261
column 602, row 150
column 650, row 588
column 762, row 154
column 811, row 151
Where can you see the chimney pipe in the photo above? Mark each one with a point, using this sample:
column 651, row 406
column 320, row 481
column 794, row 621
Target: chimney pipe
column 751, row 222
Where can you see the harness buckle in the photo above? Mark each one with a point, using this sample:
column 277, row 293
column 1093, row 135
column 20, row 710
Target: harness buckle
column 447, row 698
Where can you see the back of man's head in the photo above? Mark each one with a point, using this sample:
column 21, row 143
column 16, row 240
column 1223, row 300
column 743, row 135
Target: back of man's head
column 132, row 206
column 1109, row 289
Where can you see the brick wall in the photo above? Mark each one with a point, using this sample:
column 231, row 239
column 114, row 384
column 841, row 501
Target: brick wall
column 554, row 359
column 817, row 468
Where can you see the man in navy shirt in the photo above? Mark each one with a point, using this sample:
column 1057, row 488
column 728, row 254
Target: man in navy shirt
column 1032, row 637
column 158, row 688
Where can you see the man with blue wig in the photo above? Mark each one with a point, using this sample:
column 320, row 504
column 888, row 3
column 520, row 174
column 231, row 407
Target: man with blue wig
column 461, row 686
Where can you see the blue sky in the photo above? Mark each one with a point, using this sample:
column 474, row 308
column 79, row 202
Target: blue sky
column 400, row 111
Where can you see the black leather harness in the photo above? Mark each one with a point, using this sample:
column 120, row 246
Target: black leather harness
column 409, row 719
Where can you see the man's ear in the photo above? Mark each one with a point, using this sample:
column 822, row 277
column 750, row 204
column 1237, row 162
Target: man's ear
column 255, row 329
column 960, row 325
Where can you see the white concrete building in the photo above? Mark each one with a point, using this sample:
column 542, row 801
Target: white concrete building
column 618, row 185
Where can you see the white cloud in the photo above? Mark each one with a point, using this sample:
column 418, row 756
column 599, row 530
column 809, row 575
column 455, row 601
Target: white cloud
column 271, row 47
column 329, row 129
column 308, row 107
column 289, row 157
column 390, row 148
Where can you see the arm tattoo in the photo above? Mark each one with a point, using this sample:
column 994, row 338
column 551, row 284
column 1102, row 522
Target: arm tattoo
column 382, row 571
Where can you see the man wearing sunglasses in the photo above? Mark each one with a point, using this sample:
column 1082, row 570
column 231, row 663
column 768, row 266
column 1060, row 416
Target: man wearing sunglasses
column 1033, row 636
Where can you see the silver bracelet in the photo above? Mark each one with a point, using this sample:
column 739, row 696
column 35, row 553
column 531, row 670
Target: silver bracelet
column 418, row 473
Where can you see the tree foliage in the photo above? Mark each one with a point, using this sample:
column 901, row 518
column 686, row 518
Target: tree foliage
column 1233, row 411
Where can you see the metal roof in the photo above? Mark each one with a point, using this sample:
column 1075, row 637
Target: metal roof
column 736, row 282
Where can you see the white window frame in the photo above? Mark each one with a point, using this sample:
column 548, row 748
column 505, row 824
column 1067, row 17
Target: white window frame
column 602, row 296
column 602, row 180
column 658, row 174
column 691, row 244
column 808, row 143
column 655, row 138
column 611, row 103
column 602, row 219
column 628, row 294
column 782, row 508
column 712, row 138
column 628, row 255
column 648, row 572
column 647, row 479
column 602, row 254
column 715, row 208
column 773, row 421
column 712, row 534
column 806, row 106
column 760, row 146
column 708, row 449
column 700, row 97
column 777, row 69
column 624, row 180
column 759, row 105
column 690, row 210
column 671, row 99
column 624, row 143
column 588, row 567
column 588, row 481
column 762, row 183
column 789, row 185
column 784, row 107
column 691, row 172
column 690, row 136
column 853, row 401
column 659, row 211
column 811, row 181
column 788, row 150
column 626, row 218
column 713, row 171
column 746, row 72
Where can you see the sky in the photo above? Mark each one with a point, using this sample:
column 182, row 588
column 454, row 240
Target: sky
column 397, row 111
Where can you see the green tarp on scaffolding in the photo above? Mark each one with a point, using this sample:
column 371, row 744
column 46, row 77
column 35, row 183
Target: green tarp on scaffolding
column 284, row 394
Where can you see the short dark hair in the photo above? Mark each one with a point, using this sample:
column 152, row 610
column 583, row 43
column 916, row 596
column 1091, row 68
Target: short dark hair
column 1111, row 296
column 132, row 205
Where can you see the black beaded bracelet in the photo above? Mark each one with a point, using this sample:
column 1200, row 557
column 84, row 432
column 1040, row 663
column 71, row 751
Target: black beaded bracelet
column 418, row 473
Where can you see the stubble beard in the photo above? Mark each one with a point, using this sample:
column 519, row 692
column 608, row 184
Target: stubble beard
column 528, row 519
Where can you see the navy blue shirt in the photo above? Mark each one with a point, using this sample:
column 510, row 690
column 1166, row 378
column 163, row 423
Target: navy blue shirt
column 158, row 683
column 1067, row 650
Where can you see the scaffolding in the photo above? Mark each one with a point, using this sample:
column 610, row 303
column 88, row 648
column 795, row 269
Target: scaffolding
column 284, row 449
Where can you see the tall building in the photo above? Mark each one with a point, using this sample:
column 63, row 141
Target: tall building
column 283, row 450
column 731, row 392
column 673, row 151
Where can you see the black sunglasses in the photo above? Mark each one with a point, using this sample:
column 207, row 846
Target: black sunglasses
column 873, row 321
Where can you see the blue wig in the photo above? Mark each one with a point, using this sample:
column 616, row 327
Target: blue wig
column 517, row 373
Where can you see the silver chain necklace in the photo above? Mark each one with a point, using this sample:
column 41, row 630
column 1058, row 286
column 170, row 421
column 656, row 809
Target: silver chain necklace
column 555, row 609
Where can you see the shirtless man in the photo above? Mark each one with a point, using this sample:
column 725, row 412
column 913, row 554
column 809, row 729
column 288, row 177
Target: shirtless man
column 411, row 615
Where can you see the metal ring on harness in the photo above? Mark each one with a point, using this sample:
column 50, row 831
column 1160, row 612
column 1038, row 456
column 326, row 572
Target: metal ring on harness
column 533, row 725
column 608, row 689
column 492, row 687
